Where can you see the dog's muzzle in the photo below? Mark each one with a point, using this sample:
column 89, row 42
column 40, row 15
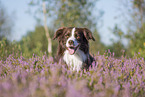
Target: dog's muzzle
column 72, row 49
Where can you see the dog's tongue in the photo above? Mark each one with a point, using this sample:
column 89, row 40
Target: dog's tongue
column 71, row 51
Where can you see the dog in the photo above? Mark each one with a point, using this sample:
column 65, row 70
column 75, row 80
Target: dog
column 73, row 47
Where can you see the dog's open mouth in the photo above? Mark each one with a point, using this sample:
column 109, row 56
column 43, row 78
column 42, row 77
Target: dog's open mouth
column 72, row 49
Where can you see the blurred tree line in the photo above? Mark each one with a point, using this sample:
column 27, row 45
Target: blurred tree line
column 77, row 13
column 134, row 14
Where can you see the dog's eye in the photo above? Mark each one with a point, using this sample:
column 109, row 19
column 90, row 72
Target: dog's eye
column 77, row 36
column 67, row 35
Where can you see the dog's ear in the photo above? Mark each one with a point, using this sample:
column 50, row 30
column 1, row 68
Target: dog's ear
column 58, row 32
column 88, row 34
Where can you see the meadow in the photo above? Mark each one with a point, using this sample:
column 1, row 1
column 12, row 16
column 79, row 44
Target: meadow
column 42, row 77
column 27, row 71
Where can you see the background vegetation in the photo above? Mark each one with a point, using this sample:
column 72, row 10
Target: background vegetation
column 79, row 14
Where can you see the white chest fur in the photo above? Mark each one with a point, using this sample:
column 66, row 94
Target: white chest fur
column 75, row 61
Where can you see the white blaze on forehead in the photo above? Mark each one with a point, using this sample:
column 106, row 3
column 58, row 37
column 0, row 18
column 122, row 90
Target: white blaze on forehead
column 72, row 37
column 73, row 32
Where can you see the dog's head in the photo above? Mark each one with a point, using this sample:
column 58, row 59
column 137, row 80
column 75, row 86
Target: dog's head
column 72, row 39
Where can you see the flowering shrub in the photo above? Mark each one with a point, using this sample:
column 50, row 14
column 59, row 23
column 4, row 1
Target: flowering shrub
column 42, row 77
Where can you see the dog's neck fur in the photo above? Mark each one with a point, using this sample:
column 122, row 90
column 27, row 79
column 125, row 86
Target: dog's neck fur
column 76, row 61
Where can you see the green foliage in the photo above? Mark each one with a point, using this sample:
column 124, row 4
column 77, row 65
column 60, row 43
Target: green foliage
column 139, row 4
column 69, row 12
column 117, row 47
column 35, row 42
column 97, row 46
column 136, row 28
column 7, row 48
column 75, row 13
column 137, row 44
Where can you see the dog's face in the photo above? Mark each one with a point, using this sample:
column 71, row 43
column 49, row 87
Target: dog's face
column 72, row 39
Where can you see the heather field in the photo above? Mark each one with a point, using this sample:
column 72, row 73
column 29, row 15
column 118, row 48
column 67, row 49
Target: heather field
column 42, row 77
column 30, row 34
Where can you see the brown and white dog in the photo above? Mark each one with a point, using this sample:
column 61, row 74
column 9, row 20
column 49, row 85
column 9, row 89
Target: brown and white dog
column 73, row 47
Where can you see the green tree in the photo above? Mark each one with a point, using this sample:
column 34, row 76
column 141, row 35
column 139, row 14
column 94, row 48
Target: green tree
column 134, row 13
column 139, row 12
column 35, row 42
column 6, row 23
column 135, row 19
column 137, row 23
column 9, row 48
column 77, row 13
column 117, row 47
column 137, row 43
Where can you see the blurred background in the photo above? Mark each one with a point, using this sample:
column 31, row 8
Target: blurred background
column 27, row 26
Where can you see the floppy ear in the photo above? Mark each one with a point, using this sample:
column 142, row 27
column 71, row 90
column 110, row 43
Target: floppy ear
column 88, row 34
column 58, row 32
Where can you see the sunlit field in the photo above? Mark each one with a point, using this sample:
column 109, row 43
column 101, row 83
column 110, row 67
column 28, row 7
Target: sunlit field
column 30, row 33
column 42, row 77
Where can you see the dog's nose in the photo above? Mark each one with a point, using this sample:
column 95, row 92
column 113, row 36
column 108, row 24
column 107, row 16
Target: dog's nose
column 71, row 42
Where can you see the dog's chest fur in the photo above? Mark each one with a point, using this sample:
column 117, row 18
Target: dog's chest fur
column 75, row 61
